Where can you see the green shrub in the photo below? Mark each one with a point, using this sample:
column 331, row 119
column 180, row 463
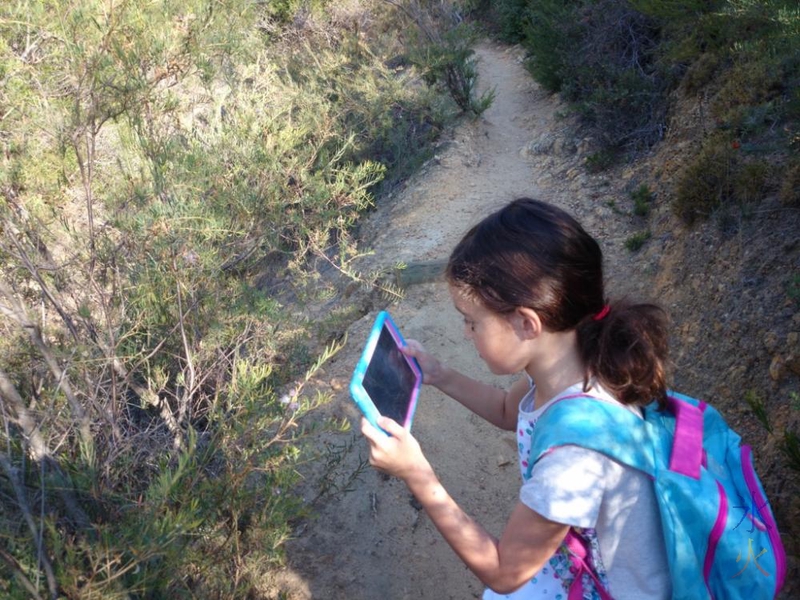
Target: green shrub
column 442, row 50
column 509, row 15
column 617, row 62
column 720, row 176
column 601, row 160
column 642, row 199
column 706, row 182
column 602, row 56
column 170, row 175
column 790, row 186
column 637, row 240
column 550, row 32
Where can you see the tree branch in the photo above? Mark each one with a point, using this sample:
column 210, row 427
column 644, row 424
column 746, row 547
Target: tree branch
column 16, row 311
column 22, row 502
column 41, row 453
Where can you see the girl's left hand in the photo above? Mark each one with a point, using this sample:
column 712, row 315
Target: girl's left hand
column 397, row 454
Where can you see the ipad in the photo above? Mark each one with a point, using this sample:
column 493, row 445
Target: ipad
column 385, row 381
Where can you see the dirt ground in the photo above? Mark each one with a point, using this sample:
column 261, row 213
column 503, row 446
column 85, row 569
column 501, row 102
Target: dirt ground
column 371, row 542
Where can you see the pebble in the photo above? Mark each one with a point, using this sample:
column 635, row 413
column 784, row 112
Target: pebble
column 777, row 368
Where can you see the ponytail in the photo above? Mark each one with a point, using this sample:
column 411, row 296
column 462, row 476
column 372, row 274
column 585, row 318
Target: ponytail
column 626, row 352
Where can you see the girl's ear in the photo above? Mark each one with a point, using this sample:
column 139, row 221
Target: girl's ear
column 528, row 322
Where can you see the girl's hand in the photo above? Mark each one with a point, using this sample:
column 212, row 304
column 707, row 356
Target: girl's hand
column 398, row 455
column 433, row 371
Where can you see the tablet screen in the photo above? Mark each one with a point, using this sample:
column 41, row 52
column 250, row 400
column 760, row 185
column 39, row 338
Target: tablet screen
column 385, row 381
column 389, row 380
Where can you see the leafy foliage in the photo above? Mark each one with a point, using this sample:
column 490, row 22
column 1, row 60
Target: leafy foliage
column 169, row 175
column 618, row 64
column 442, row 48
column 602, row 57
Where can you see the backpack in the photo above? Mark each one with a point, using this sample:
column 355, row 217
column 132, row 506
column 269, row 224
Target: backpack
column 721, row 538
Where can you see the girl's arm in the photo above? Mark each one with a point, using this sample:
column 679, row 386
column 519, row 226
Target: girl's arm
column 503, row 565
column 499, row 407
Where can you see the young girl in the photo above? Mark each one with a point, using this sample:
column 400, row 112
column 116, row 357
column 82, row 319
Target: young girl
column 528, row 281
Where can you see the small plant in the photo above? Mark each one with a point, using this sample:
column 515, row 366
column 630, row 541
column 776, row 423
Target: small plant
column 758, row 408
column 793, row 289
column 642, row 198
column 789, row 193
column 616, row 209
column 750, row 181
column 444, row 53
column 706, row 183
column 637, row 240
column 600, row 161
column 790, row 448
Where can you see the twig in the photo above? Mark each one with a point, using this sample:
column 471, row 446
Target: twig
column 17, row 570
column 41, row 453
column 15, row 310
column 188, row 385
column 22, row 502
column 34, row 271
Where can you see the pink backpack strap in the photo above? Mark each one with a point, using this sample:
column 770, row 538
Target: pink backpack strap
column 581, row 562
column 687, row 446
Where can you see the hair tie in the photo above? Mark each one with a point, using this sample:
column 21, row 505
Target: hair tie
column 602, row 314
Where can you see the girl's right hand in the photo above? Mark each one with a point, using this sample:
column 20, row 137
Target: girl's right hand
column 432, row 370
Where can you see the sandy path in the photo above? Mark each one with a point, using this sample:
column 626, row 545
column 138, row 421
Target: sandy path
column 371, row 543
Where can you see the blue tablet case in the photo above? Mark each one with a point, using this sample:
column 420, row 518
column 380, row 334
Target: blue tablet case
column 386, row 381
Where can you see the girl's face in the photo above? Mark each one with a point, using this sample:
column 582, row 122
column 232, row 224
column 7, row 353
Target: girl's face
column 494, row 335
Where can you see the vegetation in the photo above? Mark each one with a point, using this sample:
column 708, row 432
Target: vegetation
column 622, row 64
column 637, row 240
column 170, row 176
column 442, row 50
column 642, row 199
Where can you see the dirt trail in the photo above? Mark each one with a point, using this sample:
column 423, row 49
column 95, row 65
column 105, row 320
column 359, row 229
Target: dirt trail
column 372, row 543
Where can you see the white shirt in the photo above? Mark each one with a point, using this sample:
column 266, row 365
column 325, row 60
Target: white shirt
column 583, row 488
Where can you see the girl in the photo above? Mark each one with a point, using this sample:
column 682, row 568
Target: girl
column 528, row 281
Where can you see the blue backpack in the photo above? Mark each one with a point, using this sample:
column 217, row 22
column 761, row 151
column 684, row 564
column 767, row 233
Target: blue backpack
column 721, row 538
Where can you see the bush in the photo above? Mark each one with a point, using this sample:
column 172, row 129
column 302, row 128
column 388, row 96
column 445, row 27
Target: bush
column 718, row 177
column 617, row 62
column 550, row 32
column 790, row 186
column 642, row 199
column 602, row 56
column 509, row 15
column 637, row 241
column 168, row 176
column 442, row 49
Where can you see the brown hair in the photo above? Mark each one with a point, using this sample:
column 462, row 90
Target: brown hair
column 530, row 253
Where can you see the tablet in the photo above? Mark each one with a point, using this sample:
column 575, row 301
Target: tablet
column 386, row 381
